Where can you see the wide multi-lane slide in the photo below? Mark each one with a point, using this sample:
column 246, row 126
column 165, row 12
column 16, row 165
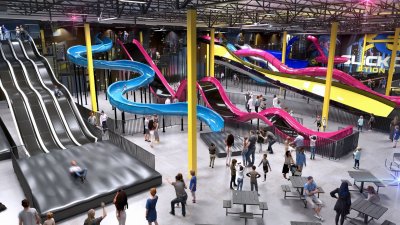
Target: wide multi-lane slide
column 116, row 91
column 348, row 93
column 214, row 97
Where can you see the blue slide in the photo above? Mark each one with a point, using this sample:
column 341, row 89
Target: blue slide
column 116, row 91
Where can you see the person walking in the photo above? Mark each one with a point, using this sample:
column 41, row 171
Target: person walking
column 181, row 195
column 343, row 203
column 318, row 121
column 229, row 142
column 257, row 103
column 271, row 141
column 233, row 174
column 103, row 121
column 301, row 160
column 313, row 141
column 92, row 119
column 323, row 124
column 250, row 104
column 240, row 177
column 193, row 185
column 245, row 150
column 17, row 32
column 360, row 123
column 212, row 151
column 247, row 97
column 310, row 189
column 151, row 128
column 393, row 124
column 151, row 203
column 371, row 121
column 357, row 156
column 260, row 139
column 91, row 218
column 156, row 126
column 251, row 149
column 287, row 163
column 266, row 166
column 275, row 102
column 28, row 216
column 396, row 136
column 121, row 203
column 49, row 219
column 146, row 129
column 254, row 175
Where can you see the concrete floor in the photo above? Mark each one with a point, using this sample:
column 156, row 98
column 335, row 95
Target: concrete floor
column 213, row 184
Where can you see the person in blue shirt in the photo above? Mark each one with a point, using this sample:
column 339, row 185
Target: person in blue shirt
column 310, row 189
column 360, row 123
column 193, row 185
column 357, row 156
column 396, row 136
column 301, row 160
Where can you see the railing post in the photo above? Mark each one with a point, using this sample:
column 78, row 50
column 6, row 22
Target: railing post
column 123, row 121
column 144, row 126
column 181, row 123
column 201, row 125
column 134, row 99
column 115, row 117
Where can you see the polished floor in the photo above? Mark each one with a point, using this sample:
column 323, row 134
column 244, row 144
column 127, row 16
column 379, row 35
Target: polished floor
column 213, row 184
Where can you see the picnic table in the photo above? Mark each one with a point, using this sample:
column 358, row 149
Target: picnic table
column 298, row 183
column 304, row 223
column 245, row 198
column 363, row 176
column 369, row 209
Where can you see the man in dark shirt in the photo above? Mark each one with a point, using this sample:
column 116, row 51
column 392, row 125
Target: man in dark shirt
column 252, row 148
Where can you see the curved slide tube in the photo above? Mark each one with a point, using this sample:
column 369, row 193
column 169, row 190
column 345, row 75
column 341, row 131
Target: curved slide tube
column 322, row 58
column 117, row 90
column 313, row 71
column 241, row 115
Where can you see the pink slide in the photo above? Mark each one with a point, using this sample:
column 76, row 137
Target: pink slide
column 312, row 71
column 242, row 116
column 322, row 57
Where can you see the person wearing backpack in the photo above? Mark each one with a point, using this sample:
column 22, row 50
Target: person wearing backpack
column 257, row 103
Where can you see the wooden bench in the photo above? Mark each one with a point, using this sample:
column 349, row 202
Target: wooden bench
column 387, row 222
column 263, row 207
column 227, row 204
column 285, row 189
column 379, row 185
column 246, row 216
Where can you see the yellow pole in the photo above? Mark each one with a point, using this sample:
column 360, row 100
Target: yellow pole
column 211, row 55
column 328, row 80
column 44, row 49
column 284, row 43
column 141, row 37
column 363, row 54
column 392, row 60
column 191, row 89
column 89, row 57
column 208, row 61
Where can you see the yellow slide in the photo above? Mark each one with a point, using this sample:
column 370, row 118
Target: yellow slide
column 340, row 93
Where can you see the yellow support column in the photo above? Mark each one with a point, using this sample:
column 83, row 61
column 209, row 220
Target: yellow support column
column 208, row 61
column 392, row 61
column 211, row 55
column 363, row 54
column 44, row 49
column 141, row 37
column 92, row 85
column 328, row 80
column 191, row 89
column 284, row 43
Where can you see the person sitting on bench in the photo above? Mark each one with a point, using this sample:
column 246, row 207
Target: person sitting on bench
column 77, row 171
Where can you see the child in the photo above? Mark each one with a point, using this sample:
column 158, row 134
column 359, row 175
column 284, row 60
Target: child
column 360, row 123
column 266, row 166
column 233, row 173
column 357, row 156
column 287, row 142
column 396, row 136
column 253, row 178
column 50, row 219
column 313, row 140
column 212, row 152
column 240, row 177
column 193, row 184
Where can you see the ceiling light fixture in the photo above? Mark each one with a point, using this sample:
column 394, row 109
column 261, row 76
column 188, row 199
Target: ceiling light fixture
column 132, row 1
column 77, row 14
column 215, row 9
column 106, row 19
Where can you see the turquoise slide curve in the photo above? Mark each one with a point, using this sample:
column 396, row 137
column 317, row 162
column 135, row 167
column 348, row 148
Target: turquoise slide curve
column 116, row 91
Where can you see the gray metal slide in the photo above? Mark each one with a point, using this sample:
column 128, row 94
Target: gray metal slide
column 39, row 113
column 57, row 119
column 72, row 116
column 20, row 110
